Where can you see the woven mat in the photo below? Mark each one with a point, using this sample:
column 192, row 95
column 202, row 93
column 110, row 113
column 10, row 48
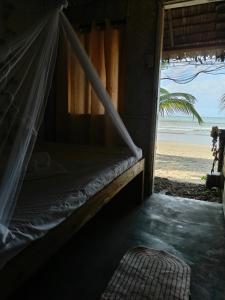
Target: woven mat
column 145, row 273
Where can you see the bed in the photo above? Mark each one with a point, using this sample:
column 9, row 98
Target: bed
column 57, row 200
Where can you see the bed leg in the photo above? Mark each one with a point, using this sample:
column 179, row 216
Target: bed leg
column 137, row 189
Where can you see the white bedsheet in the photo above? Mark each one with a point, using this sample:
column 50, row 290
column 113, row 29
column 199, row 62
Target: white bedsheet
column 46, row 202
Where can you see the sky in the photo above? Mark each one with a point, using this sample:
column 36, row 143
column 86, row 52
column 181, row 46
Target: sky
column 206, row 88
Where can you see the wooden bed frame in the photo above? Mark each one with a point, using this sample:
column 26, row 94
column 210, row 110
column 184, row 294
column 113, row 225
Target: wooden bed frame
column 31, row 258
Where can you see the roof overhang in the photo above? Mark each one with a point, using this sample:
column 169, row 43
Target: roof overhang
column 169, row 4
column 194, row 30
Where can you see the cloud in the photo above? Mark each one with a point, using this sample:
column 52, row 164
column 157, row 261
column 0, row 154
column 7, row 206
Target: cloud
column 207, row 89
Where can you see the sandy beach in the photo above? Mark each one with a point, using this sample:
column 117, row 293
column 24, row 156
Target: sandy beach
column 183, row 161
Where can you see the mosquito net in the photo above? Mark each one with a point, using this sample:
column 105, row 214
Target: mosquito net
column 26, row 72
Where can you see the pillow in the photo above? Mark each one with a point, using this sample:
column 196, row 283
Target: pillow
column 39, row 160
column 41, row 166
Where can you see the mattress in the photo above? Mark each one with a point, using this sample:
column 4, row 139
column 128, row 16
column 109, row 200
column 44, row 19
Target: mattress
column 49, row 197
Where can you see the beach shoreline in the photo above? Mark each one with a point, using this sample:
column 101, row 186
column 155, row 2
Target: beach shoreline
column 183, row 161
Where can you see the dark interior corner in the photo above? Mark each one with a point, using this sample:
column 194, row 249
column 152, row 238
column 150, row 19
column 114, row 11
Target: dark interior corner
column 66, row 232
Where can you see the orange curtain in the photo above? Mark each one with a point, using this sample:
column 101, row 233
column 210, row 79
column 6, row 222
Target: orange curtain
column 112, row 56
column 103, row 48
column 85, row 110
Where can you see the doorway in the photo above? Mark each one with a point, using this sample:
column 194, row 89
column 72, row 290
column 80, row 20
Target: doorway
column 192, row 73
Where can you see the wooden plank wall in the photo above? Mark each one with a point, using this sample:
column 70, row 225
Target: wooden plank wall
column 144, row 41
column 85, row 12
column 221, row 165
column 1, row 21
column 223, row 192
column 143, row 20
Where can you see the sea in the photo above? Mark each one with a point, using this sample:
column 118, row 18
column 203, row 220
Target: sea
column 186, row 129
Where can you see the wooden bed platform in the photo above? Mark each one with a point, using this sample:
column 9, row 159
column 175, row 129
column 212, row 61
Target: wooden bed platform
column 23, row 265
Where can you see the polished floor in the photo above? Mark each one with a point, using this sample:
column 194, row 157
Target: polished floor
column 192, row 230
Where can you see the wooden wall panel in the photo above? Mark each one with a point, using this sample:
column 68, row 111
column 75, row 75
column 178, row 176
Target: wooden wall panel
column 143, row 50
column 84, row 13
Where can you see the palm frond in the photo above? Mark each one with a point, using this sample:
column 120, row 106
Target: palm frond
column 172, row 105
column 188, row 97
column 163, row 92
column 222, row 102
column 169, row 103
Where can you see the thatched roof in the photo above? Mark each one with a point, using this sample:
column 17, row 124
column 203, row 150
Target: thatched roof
column 195, row 30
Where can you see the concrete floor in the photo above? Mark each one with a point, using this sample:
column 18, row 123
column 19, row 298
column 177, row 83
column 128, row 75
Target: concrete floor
column 190, row 229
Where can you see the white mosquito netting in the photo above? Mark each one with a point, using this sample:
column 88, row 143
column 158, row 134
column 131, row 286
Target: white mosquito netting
column 26, row 72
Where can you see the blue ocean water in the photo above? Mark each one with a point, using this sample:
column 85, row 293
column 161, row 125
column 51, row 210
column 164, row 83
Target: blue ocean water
column 186, row 129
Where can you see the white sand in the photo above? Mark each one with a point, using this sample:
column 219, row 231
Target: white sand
column 183, row 161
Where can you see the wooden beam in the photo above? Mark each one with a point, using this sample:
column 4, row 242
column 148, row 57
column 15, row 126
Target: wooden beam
column 168, row 4
column 191, row 16
column 143, row 50
column 1, row 20
column 194, row 38
column 61, row 85
column 190, row 49
column 209, row 45
column 223, row 190
column 195, row 25
column 171, row 28
column 83, row 14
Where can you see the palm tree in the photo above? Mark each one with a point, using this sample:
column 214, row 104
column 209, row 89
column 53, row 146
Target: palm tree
column 170, row 103
column 222, row 102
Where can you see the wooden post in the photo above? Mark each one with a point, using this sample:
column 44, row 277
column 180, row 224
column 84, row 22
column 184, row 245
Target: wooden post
column 1, row 20
column 143, row 52
column 61, row 82
column 171, row 28
column 221, row 149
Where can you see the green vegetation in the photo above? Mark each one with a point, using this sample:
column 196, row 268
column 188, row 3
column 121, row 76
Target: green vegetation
column 203, row 178
column 222, row 102
column 170, row 103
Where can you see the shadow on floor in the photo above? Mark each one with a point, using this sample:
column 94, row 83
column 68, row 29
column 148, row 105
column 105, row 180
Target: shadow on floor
column 193, row 230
